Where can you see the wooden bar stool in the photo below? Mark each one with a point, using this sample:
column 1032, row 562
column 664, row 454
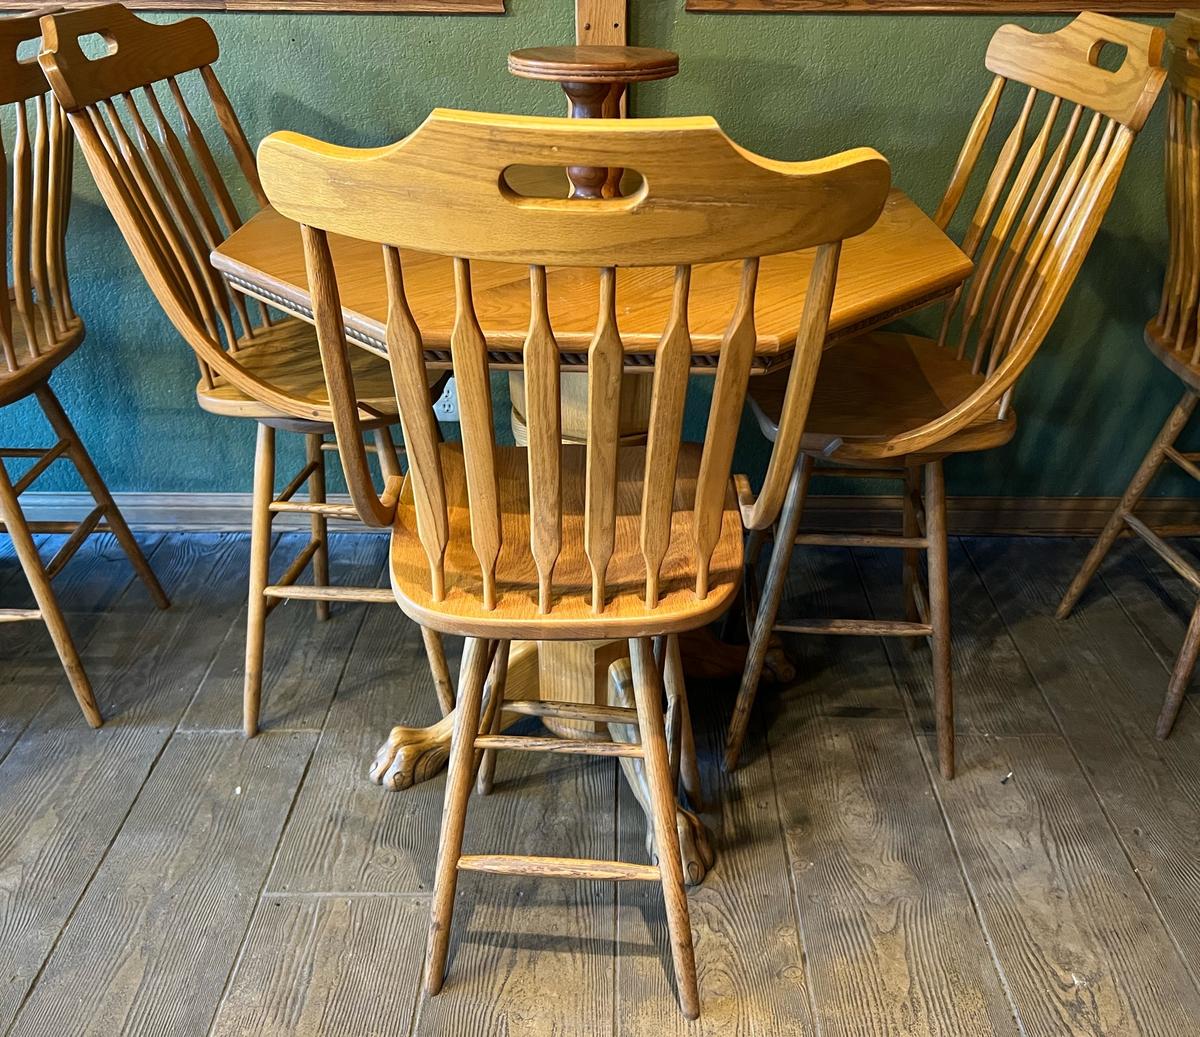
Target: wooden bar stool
column 46, row 330
column 552, row 541
column 161, row 180
column 893, row 406
column 1173, row 336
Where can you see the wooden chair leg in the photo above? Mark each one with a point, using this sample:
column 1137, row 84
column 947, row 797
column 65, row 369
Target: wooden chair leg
column 260, row 556
column 443, row 685
column 1149, row 467
column 768, row 608
column 385, row 450
column 92, row 480
column 47, row 603
column 912, row 555
column 684, row 764
column 494, row 720
column 1181, row 676
column 939, row 613
column 648, row 695
column 320, row 524
column 454, row 810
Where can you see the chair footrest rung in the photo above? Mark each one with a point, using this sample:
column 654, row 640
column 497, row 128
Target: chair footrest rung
column 859, row 540
column 864, row 627
column 559, row 867
column 19, row 615
column 572, row 711
column 347, row 512
column 570, row 746
column 308, row 593
column 1164, row 550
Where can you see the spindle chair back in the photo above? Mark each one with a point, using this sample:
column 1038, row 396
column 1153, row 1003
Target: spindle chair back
column 39, row 329
column 162, row 140
column 1040, row 202
column 1173, row 336
column 703, row 200
column 1034, row 186
column 38, row 147
column 552, row 541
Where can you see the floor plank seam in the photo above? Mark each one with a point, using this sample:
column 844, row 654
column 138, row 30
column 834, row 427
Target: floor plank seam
column 797, row 913
column 335, row 894
column 253, row 914
column 1101, row 805
column 82, row 648
column 1188, row 700
column 916, row 734
column 86, row 886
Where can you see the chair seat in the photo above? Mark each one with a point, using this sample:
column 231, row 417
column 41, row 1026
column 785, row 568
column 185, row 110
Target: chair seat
column 1176, row 360
column 571, row 616
column 875, row 387
column 33, row 370
column 287, row 356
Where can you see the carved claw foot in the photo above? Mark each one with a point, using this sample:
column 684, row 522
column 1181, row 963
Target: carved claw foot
column 412, row 754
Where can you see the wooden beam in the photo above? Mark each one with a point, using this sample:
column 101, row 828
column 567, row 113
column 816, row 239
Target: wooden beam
column 601, row 23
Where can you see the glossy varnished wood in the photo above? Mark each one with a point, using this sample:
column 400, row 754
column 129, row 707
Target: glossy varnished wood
column 900, row 263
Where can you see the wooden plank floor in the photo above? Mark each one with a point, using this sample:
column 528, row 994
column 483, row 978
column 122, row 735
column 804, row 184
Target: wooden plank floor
column 165, row 876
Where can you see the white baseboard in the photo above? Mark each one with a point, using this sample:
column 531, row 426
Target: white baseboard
column 1081, row 516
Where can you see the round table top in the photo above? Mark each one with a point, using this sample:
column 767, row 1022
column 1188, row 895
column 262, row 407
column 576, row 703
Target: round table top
column 593, row 64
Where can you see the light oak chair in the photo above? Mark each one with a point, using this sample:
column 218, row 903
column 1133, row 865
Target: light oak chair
column 1173, row 336
column 132, row 112
column 44, row 331
column 893, row 406
column 554, row 541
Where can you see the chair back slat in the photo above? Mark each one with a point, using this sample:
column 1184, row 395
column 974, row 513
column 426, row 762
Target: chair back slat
column 663, row 432
column 468, row 354
column 724, row 413
column 158, row 156
column 544, row 431
column 407, row 360
column 971, row 150
column 617, row 497
column 1006, row 219
column 606, row 357
column 22, row 228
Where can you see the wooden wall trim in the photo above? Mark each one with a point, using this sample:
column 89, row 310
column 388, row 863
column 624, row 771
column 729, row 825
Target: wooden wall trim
column 1019, row 516
column 296, row 6
column 601, row 23
column 932, row 6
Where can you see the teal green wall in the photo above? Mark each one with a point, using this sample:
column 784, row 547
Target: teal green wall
column 787, row 86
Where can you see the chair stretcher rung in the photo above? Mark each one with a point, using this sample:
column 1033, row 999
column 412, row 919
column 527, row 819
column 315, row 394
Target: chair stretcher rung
column 338, row 511
column 1185, row 461
column 19, row 615
column 559, row 867
column 72, row 544
column 302, row 476
column 307, row 593
column 859, row 540
column 865, row 627
column 572, row 711
column 1164, row 550
column 570, row 746
column 39, row 466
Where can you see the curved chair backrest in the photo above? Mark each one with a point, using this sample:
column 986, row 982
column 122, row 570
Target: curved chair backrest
column 157, row 172
column 702, row 200
column 39, row 149
column 1042, row 201
column 1177, row 325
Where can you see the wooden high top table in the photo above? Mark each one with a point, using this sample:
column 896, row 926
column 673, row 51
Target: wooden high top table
column 902, row 263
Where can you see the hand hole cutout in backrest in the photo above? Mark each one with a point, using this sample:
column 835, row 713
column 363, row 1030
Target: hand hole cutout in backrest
column 27, row 50
column 1107, row 55
column 95, row 46
column 552, row 183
